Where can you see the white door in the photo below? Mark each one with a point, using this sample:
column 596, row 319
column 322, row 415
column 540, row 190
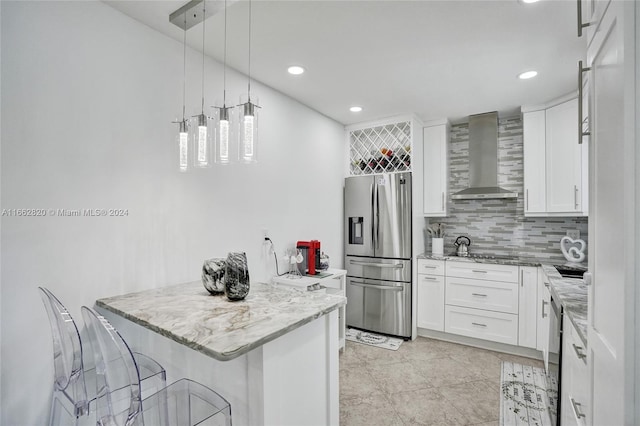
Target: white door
column 610, row 191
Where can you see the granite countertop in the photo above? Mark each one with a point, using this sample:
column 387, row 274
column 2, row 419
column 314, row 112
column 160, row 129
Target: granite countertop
column 571, row 292
column 224, row 330
column 500, row 259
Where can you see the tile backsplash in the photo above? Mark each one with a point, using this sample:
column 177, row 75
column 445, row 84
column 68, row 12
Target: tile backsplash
column 499, row 226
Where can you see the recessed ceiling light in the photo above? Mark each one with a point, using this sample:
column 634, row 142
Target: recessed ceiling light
column 355, row 109
column 529, row 1
column 527, row 74
column 295, row 70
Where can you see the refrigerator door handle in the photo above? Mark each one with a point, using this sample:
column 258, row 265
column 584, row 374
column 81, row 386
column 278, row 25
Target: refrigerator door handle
column 379, row 287
column 378, row 265
column 373, row 216
column 377, row 218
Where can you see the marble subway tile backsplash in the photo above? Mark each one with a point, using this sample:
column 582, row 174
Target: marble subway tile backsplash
column 499, row 226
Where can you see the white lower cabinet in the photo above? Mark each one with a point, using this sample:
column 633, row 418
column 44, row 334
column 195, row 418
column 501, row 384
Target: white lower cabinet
column 489, row 295
column 430, row 303
column 481, row 324
column 527, row 307
column 574, row 408
column 543, row 312
column 481, row 300
column 482, row 271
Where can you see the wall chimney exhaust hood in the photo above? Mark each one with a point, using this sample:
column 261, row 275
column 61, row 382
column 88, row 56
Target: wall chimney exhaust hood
column 483, row 160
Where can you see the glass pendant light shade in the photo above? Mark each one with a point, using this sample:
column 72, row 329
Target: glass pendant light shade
column 248, row 131
column 201, row 141
column 224, row 153
column 183, row 145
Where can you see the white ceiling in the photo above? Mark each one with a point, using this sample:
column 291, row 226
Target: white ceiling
column 434, row 58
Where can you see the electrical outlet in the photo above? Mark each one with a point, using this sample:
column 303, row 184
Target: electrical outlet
column 574, row 234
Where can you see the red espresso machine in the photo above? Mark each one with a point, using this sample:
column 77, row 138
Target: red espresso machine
column 311, row 253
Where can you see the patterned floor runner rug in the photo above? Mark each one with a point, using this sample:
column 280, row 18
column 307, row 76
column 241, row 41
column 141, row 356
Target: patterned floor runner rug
column 527, row 396
column 373, row 339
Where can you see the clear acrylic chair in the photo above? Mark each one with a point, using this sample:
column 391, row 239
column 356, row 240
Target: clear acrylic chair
column 119, row 402
column 73, row 399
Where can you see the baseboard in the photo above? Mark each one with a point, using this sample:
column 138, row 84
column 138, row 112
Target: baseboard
column 479, row 343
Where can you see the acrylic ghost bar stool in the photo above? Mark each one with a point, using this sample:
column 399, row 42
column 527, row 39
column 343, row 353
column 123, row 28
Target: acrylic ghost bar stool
column 73, row 399
column 119, row 402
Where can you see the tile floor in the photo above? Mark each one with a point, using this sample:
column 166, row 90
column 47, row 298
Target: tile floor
column 425, row 382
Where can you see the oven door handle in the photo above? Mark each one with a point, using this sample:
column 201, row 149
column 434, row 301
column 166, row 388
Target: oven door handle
column 379, row 287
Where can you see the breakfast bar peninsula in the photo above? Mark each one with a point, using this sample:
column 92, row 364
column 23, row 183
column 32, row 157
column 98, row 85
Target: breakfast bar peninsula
column 273, row 355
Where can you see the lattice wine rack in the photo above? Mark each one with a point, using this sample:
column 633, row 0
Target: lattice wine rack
column 381, row 149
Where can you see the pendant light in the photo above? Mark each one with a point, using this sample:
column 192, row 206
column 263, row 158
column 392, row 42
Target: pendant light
column 202, row 135
column 183, row 125
column 248, row 117
column 222, row 127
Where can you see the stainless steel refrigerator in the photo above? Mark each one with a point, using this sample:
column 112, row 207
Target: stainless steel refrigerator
column 378, row 252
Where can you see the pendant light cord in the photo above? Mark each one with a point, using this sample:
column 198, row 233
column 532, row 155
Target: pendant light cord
column 184, row 68
column 204, row 15
column 224, row 69
column 249, row 70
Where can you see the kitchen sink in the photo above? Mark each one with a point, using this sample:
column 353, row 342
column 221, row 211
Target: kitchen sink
column 568, row 271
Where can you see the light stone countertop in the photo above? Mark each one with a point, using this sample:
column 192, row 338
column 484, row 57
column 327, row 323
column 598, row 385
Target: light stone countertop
column 221, row 329
column 573, row 295
column 500, row 260
column 571, row 292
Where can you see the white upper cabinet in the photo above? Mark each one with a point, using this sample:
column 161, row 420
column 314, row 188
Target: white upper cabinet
column 589, row 14
column 535, row 193
column 563, row 159
column 436, row 169
column 554, row 163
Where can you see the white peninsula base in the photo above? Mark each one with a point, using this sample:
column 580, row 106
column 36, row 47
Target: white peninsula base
column 292, row 380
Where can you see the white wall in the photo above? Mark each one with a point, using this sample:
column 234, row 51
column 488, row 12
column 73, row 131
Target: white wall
column 0, row 208
column 87, row 103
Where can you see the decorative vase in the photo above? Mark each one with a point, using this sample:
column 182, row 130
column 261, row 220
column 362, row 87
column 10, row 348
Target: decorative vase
column 236, row 276
column 437, row 246
column 213, row 275
column 324, row 262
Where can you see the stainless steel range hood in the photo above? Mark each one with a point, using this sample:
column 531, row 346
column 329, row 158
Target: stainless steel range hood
column 483, row 160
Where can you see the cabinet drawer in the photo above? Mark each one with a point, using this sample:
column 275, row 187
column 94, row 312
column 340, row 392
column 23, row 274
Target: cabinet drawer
column 490, row 295
column 431, row 267
column 480, row 324
column 482, row 271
